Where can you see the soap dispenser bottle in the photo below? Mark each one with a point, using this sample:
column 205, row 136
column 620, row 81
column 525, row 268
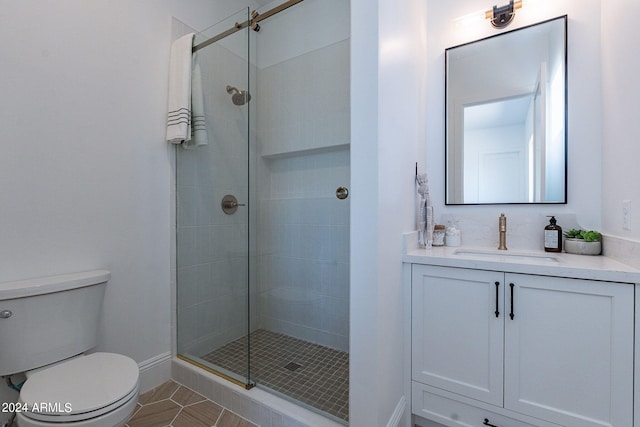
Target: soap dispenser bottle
column 553, row 236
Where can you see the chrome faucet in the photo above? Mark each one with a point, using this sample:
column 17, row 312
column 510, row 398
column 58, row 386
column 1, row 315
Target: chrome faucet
column 502, row 227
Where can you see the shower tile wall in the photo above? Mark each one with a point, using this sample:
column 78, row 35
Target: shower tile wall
column 300, row 285
column 304, row 102
column 302, row 133
column 211, row 246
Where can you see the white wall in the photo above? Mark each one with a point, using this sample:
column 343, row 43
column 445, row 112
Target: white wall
column 621, row 93
column 584, row 122
column 387, row 133
column 84, row 170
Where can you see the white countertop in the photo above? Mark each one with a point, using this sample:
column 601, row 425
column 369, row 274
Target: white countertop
column 527, row 261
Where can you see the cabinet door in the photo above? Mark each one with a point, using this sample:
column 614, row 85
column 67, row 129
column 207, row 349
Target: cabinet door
column 569, row 350
column 457, row 339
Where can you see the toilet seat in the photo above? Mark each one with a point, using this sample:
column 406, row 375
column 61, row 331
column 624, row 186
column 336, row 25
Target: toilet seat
column 80, row 389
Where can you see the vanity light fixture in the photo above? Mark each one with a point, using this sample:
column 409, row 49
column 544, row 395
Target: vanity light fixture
column 502, row 16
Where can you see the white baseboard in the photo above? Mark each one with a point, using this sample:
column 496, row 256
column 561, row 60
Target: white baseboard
column 155, row 371
column 398, row 413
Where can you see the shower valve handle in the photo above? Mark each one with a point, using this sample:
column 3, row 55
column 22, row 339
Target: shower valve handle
column 229, row 204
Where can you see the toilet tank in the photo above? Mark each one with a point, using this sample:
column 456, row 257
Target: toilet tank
column 48, row 319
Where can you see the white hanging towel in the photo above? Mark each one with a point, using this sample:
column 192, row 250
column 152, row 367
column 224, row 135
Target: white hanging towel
column 179, row 104
column 198, row 125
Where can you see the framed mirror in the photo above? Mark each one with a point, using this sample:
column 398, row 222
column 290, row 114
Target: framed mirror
column 506, row 117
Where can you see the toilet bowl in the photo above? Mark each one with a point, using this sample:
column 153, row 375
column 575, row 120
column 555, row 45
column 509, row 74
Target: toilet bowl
column 46, row 326
column 96, row 390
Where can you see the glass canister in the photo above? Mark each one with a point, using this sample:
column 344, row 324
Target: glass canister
column 438, row 235
column 452, row 234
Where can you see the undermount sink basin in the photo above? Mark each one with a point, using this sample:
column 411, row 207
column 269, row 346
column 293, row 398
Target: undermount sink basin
column 515, row 255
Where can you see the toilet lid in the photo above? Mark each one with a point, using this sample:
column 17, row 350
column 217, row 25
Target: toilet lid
column 80, row 386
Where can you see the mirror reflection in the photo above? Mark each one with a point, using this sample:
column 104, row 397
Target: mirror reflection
column 506, row 117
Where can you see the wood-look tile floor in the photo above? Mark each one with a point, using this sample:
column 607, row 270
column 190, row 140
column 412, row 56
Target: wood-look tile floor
column 174, row 405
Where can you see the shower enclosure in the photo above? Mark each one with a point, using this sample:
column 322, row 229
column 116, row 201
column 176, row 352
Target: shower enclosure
column 263, row 208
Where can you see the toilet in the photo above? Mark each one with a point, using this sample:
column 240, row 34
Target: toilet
column 47, row 327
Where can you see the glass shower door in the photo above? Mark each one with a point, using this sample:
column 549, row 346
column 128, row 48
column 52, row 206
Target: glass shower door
column 263, row 277
column 212, row 200
column 300, row 290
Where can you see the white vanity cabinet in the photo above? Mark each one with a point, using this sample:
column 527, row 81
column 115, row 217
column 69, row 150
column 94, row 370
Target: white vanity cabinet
column 512, row 349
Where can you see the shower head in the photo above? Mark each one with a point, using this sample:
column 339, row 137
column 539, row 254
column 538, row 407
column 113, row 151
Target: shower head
column 238, row 97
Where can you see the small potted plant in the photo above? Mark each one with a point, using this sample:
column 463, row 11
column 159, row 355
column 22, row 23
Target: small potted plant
column 583, row 242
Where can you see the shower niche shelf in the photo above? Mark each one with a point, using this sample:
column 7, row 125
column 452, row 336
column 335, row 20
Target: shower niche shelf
column 304, row 151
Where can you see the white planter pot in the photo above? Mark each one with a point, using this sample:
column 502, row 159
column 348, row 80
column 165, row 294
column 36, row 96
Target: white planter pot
column 580, row 247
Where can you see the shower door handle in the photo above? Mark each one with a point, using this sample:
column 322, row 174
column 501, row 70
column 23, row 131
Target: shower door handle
column 229, row 204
